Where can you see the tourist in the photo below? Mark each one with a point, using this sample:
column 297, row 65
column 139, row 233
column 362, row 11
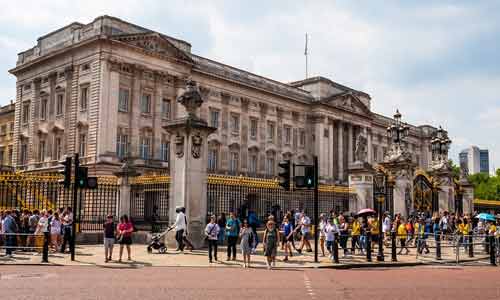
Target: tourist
column 109, row 233
column 253, row 222
column 43, row 229
column 32, row 224
column 212, row 231
column 386, row 228
column 185, row 239
column 402, row 235
column 247, row 238
column 232, row 232
column 409, row 230
column 355, row 233
column 55, row 232
column 221, row 222
column 270, row 243
column 304, row 227
column 421, row 232
column 10, row 229
column 330, row 231
column 25, row 228
column 375, row 231
column 180, row 226
column 322, row 235
column 67, row 223
column 287, row 236
column 344, row 234
column 125, row 229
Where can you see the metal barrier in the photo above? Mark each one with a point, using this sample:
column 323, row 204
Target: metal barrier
column 25, row 242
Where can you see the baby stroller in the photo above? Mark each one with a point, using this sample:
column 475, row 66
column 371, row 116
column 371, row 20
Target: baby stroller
column 157, row 243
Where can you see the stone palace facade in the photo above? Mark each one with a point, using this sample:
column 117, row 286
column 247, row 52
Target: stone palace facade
column 107, row 88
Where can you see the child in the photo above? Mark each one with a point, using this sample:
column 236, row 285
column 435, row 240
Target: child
column 109, row 238
column 402, row 235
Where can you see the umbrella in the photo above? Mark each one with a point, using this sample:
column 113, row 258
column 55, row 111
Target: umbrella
column 366, row 211
column 485, row 216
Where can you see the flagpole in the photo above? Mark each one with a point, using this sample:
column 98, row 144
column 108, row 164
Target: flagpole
column 305, row 54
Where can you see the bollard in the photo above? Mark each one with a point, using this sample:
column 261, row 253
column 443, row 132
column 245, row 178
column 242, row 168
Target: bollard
column 471, row 246
column 492, row 251
column 368, row 246
column 438, row 246
column 45, row 253
column 393, row 246
column 336, row 249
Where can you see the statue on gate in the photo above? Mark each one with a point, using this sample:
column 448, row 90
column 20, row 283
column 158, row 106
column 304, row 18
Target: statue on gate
column 361, row 151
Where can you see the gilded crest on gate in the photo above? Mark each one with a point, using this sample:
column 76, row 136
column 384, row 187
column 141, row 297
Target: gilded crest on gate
column 196, row 141
column 179, row 146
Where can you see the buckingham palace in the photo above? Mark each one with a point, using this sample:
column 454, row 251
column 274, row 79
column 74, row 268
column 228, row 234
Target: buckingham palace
column 106, row 90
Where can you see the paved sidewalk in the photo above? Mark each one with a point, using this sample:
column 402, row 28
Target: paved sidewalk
column 93, row 255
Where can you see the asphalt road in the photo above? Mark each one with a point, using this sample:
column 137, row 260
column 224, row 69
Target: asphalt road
column 23, row 282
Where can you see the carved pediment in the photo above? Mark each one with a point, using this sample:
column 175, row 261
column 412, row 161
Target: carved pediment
column 348, row 101
column 154, row 43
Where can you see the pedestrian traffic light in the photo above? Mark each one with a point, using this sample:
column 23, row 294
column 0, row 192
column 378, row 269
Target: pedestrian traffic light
column 284, row 174
column 66, row 172
column 309, row 177
column 304, row 177
column 82, row 177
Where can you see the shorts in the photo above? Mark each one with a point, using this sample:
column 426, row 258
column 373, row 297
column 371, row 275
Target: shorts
column 306, row 235
column 109, row 242
column 126, row 240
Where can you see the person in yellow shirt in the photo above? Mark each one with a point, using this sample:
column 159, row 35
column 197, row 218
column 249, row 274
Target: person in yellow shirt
column 374, row 231
column 402, row 235
column 355, row 232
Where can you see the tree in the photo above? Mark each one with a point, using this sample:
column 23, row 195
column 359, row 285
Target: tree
column 486, row 187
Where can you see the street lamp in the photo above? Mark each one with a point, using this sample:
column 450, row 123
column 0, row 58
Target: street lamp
column 380, row 181
column 440, row 145
column 398, row 130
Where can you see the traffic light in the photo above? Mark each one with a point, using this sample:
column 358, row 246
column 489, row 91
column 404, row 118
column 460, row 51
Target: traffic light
column 66, row 172
column 304, row 177
column 284, row 174
column 81, row 177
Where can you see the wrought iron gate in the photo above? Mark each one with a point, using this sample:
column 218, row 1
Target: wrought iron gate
column 424, row 195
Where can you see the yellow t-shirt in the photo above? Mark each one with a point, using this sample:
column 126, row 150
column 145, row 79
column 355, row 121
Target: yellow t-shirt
column 493, row 229
column 463, row 229
column 356, row 228
column 402, row 231
column 374, row 230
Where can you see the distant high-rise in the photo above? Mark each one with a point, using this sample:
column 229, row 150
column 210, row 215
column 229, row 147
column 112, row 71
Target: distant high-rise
column 476, row 160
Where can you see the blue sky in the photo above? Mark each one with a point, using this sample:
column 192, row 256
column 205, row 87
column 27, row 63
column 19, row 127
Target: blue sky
column 437, row 61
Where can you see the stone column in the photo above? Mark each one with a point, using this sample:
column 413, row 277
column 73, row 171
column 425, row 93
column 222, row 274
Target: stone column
column 331, row 152
column 124, row 175
column 361, row 180
column 350, row 141
column 340, row 129
column 370, row 146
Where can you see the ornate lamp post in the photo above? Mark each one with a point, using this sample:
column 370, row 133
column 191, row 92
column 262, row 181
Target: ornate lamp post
column 398, row 130
column 440, row 145
column 380, row 189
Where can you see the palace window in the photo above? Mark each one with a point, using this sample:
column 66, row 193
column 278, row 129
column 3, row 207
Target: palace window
column 122, row 145
column 2, row 152
column 375, row 153
column 270, row 161
column 302, row 138
column 146, row 104
column 26, row 113
column 59, row 104
column 165, row 149
column 214, row 118
column 145, row 147
column 294, row 137
column 212, row 159
column 43, row 109
column 234, row 160
column 271, row 128
column 123, row 98
column 10, row 155
column 41, row 151
column 82, row 143
column 84, row 97
column 24, row 153
column 253, row 128
column 288, row 135
column 165, row 108
column 235, row 123
column 57, row 148
column 3, row 130
column 252, row 164
column 11, row 127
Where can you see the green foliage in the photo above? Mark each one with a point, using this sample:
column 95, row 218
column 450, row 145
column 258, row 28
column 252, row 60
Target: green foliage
column 455, row 170
column 486, row 187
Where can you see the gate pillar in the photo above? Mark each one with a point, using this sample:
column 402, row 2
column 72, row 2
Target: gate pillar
column 124, row 174
column 361, row 180
column 188, row 167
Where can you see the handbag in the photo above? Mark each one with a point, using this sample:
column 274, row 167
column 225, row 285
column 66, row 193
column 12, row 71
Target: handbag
column 210, row 232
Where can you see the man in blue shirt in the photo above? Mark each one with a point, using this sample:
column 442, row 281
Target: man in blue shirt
column 232, row 231
column 10, row 229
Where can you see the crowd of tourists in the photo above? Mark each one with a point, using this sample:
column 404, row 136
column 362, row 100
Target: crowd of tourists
column 27, row 230
column 352, row 233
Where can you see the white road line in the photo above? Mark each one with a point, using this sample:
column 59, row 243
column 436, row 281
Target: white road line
column 307, row 284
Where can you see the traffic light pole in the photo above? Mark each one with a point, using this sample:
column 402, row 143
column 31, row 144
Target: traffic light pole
column 316, row 216
column 75, row 208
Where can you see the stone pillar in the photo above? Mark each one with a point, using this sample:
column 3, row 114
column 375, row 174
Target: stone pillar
column 189, row 164
column 468, row 197
column 340, row 147
column 331, row 152
column 350, row 141
column 361, row 180
column 370, row 146
column 124, row 175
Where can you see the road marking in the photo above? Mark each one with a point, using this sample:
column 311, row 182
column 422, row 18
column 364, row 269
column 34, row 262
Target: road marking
column 307, row 284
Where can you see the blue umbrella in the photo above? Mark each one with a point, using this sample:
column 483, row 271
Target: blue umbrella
column 487, row 217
